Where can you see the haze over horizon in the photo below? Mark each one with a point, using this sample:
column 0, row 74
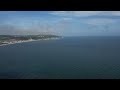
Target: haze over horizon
column 65, row 23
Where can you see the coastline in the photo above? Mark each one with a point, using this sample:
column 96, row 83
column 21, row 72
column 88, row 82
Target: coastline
column 29, row 41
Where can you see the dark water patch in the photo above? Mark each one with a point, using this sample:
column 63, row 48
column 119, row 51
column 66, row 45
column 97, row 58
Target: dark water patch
column 68, row 58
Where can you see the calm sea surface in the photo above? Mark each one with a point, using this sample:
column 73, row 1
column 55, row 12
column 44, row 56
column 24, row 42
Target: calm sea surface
column 67, row 58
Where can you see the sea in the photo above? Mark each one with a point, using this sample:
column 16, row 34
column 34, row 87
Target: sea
column 84, row 57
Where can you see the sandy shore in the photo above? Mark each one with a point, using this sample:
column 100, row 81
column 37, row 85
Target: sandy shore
column 29, row 41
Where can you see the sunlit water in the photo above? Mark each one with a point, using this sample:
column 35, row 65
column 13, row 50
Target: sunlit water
column 67, row 58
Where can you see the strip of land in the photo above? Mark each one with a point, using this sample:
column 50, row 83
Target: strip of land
column 13, row 39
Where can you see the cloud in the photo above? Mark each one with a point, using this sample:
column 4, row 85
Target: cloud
column 76, row 13
column 86, row 13
column 115, row 13
column 100, row 21
column 63, row 24
column 27, row 25
column 66, row 19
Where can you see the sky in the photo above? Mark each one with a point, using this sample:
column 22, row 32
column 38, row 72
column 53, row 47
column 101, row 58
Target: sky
column 65, row 23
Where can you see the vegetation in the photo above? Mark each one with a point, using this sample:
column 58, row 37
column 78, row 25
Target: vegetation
column 11, row 38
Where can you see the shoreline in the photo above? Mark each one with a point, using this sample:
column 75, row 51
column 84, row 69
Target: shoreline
column 29, row 41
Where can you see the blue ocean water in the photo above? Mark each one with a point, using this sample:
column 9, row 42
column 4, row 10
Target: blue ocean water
column 82, row 57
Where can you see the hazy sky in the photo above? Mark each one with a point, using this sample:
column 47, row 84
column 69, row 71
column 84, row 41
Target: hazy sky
column 67, row 23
